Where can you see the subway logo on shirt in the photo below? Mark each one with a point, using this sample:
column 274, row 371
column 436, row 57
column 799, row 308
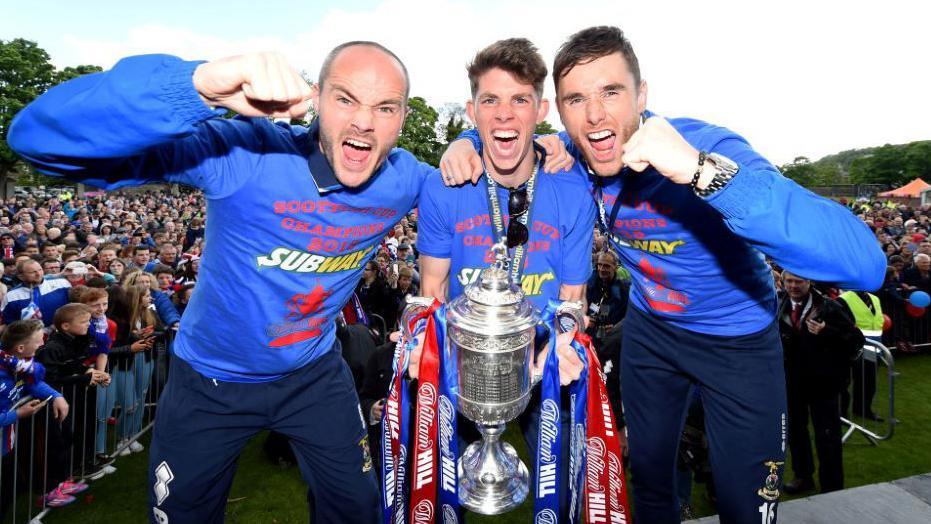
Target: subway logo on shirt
column 531, row 283
column 298, row 261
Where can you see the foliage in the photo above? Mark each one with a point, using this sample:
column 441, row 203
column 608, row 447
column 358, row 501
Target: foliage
column 893, row 164
column 806, row 173
column 456, row 121
column 544, row 128
column 419, row 132
column 889, row 164
column 25, row 73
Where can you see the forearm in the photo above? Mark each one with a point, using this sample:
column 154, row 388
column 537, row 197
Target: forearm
column 142, row 102
column 804, row 233
column 42, row 391
column 101, row 364
column 572, row 292
column 434, row 277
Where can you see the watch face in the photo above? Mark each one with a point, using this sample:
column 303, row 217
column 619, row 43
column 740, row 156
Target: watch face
column 723, row 164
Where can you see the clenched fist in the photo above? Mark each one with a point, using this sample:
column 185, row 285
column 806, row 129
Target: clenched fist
column 254, row 84
column 658, row 144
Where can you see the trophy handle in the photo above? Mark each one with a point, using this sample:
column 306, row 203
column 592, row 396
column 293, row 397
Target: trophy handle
column 415, row 306
column 569, row 316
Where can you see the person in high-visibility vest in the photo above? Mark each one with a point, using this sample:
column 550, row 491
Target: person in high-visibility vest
column 868, row 315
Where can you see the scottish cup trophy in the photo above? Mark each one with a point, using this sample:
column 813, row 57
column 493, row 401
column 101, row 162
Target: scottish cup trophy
column 491, row 329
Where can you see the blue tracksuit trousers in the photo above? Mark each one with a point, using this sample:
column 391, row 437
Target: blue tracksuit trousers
column 742, row 385
column 202, row 425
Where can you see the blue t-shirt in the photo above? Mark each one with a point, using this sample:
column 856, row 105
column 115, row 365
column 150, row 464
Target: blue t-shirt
column 454, row 223
column 286, row 243
column 699, row 263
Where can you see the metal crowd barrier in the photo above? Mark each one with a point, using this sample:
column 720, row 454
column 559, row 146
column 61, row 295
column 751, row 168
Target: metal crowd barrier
column 865, row 410
column 102, row 423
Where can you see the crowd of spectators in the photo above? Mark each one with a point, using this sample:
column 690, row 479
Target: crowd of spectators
column 95, row 283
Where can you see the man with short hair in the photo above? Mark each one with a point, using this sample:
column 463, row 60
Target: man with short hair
column 167, row 256
column 688, row 227
column 37, row 296
column 819, row 339
column 51, row 265
column 49, row 250
column 141, row 255
column 606, row 295
column 545, row 221
column 290, row 184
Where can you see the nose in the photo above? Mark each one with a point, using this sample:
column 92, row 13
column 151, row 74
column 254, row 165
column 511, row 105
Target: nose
column 363, row 119
column 504, row 112
column 594, row 111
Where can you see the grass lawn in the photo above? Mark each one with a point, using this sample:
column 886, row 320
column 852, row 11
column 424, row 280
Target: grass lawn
column 263, row 492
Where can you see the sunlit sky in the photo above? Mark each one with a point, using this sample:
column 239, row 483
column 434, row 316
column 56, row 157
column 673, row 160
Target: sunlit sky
column 794, row 77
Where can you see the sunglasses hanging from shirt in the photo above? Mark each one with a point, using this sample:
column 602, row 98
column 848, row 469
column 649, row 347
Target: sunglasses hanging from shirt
column 520, row 208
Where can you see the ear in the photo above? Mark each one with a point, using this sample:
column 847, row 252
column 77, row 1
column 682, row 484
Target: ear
column 470, row 110
column 315, row 98
column 543, row 110
column 642, row 97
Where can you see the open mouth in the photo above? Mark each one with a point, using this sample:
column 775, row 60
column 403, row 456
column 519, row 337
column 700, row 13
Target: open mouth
column 356, row 153
column 602, row 141
column 505, row 141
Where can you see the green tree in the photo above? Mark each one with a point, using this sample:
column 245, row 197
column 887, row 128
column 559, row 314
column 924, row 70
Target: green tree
column 25, row 73
column 544, row 128
column 456, row 121
column 801, row 170
column 73, row 72
column 419, row 132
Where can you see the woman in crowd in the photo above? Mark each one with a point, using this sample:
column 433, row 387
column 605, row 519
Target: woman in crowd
column 132, row 360
column 187, row 271
column 167, row 313
column 117, row 267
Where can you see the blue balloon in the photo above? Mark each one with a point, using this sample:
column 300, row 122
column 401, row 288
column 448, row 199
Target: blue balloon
column 920, row 299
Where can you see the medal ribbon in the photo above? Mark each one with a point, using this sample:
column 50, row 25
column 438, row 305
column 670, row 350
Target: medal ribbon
column 547, row 461
column 449, row 442
column 578, row 399
column 394, row 440
column 424, row 479
column 605, row 488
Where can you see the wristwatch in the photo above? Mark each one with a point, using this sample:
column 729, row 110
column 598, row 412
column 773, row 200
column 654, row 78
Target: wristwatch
column 725, row 170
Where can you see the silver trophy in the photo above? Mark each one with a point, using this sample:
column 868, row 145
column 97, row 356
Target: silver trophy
column 491, row 328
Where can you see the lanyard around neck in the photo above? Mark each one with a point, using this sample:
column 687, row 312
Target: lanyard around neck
column 605, row 224
column 494, row 210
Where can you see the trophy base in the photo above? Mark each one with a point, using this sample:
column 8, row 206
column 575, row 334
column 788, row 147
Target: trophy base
column 492, row 478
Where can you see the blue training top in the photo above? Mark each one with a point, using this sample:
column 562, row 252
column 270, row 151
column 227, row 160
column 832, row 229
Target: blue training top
column 454, row 223
column 47, row 297
column 286, row 242
column 699, row 263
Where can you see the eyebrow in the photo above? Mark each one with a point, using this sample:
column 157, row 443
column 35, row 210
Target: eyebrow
column 617, row 86
column 389, row 101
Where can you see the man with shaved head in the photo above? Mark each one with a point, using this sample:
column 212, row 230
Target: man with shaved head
column 295, row 214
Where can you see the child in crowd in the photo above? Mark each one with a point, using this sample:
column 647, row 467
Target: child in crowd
column 132, row 362
column 102, row 331
column 70, row 366
column 20, row 373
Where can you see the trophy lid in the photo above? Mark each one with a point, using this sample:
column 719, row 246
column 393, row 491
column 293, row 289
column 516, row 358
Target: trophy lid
column 494, row 288
column 493, row 304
